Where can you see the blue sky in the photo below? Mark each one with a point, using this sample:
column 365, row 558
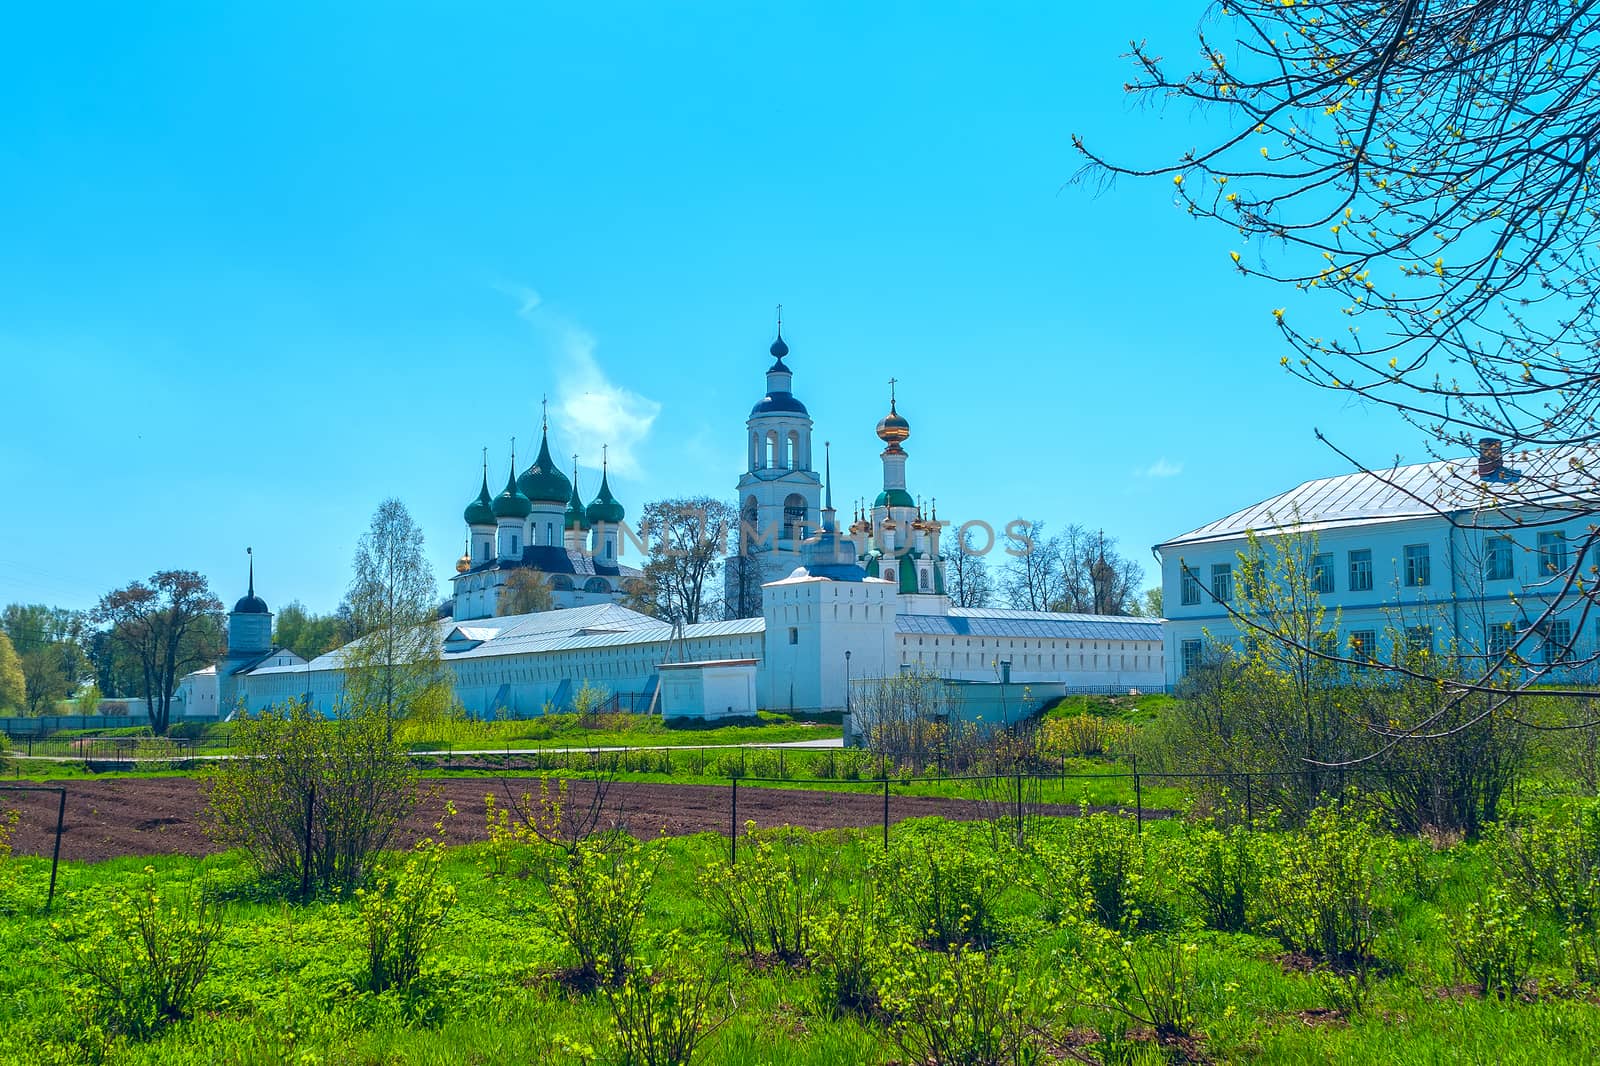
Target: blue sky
column 265, row 265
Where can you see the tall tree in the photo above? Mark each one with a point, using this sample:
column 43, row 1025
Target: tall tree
column 32, row 625
column 1030, row 577
column 46, row 679
column 394, row 665
column 526, row 592
column 688, row 538
column 1148, row 605
column 744, row 585
column 13, row 683
column 1092, row 576
column 305, row 633
column 966, row 575
column 168, row 626
column 1424, row 169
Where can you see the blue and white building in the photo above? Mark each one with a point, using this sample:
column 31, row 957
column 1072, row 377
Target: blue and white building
column 1479, row 557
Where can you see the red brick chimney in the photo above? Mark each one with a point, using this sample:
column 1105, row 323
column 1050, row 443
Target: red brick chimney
column 1488, row 458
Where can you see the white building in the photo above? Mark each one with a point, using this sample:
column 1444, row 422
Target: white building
column 1470, row 555
column 834, row 605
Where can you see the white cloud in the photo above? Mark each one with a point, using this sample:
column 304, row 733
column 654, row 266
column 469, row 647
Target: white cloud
column 1162, row 467
column 589, row 410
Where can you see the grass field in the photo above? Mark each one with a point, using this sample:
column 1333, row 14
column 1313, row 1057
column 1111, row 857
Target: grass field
column 288, row 979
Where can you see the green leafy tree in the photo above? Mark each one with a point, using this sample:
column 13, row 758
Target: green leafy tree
column 687, row 538
column 46, row 682
column 167, row 626
column 305, row 633
column 13, row 682
column 394, row 665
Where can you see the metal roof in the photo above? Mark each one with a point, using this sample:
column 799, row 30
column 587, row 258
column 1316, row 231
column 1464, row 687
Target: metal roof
column 1557, row 477
column 1045, row 625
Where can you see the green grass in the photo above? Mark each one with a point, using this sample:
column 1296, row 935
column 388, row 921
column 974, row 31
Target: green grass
column 1133, row 709
column 286, row 982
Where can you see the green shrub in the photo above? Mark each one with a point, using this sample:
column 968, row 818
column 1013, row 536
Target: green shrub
column 662, row 1014
column 1325, row 886
column 1100, row 867
column 1493, row 942
column 404, row 914
column 138, row 959
column 766, row 903
column 1147, row 984
column 947, row 891
column 596, row 907
column 355, row 782
column 1085, row 735
column 960, row 1008
column 1219, row 870
column 1553, row 862
column 9, row 820
column 848, row 952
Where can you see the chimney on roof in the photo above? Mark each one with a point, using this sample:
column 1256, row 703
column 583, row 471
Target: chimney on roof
column 1489, row 458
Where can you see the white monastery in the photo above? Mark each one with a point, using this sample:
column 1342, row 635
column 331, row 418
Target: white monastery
column 826, row 605
column 1475, row 557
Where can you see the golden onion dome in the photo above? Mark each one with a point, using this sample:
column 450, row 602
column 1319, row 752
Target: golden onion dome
column 892, row 429
column 464, row 563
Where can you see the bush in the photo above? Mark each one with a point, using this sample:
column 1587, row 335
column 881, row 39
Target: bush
column 959, row 1008
column 356, row 784
column 1324, row 887
column 946, row 892
column 1085, row 735
column 404, row 914
column 139, row 960
column 1493, row 942
column 1101, row 867
column 1553, row 862
column 848, row 953
column 1147, row 984
column 9, row 819
column 1220, row 872
column 596, row 907
column 766, row 904
column 662, row 1013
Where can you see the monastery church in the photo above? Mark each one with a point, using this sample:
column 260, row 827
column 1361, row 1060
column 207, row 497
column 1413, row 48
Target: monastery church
column 816, row 605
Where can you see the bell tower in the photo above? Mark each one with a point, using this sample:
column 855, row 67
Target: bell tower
column 780, row 494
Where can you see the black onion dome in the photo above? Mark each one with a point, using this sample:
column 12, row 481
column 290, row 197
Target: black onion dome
column 778, row 403
column 251, row 604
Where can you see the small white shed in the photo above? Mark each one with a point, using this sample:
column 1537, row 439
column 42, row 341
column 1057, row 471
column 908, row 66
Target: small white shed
column 711, row 688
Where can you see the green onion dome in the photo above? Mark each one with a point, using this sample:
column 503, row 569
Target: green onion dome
column 604, row 507
column 576, row 519
column 512, row 503
column 543, row 482
column 480, row 512
column 894, row 498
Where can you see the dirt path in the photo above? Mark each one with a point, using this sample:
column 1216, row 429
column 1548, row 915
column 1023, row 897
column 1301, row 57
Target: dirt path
column 162, row 815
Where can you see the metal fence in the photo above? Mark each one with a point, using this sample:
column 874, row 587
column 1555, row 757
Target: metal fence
column 61, row 818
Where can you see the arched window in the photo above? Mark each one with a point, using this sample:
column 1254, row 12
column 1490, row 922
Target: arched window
column 755, row 451
column 774, row 454
column 794, row 451
column 794, row 516
column 561, row 583
column 596, row 584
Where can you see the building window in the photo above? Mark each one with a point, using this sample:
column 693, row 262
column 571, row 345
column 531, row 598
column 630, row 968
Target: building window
column 1418, row 572
column 1222, row 581
column 922, row 581
column 1558, row 641
column 1322, row 572
column 1419, row 639
column 1363, row 645
column 1190, row 656
column 1497, row 563
column 1361, row 570
column 1189, row 593
column 515, row 547
column 1501, row 637
column 794, row 635
column 484, row 555
column 1552, row 552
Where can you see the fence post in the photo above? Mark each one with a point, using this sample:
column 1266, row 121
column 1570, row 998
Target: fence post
column 1138, row 799
column 55, row 856
column 305, row 864
column 885, row 812
column 733, row 826
column 1019, row 806
column 1249, row 802
column 780, row 764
